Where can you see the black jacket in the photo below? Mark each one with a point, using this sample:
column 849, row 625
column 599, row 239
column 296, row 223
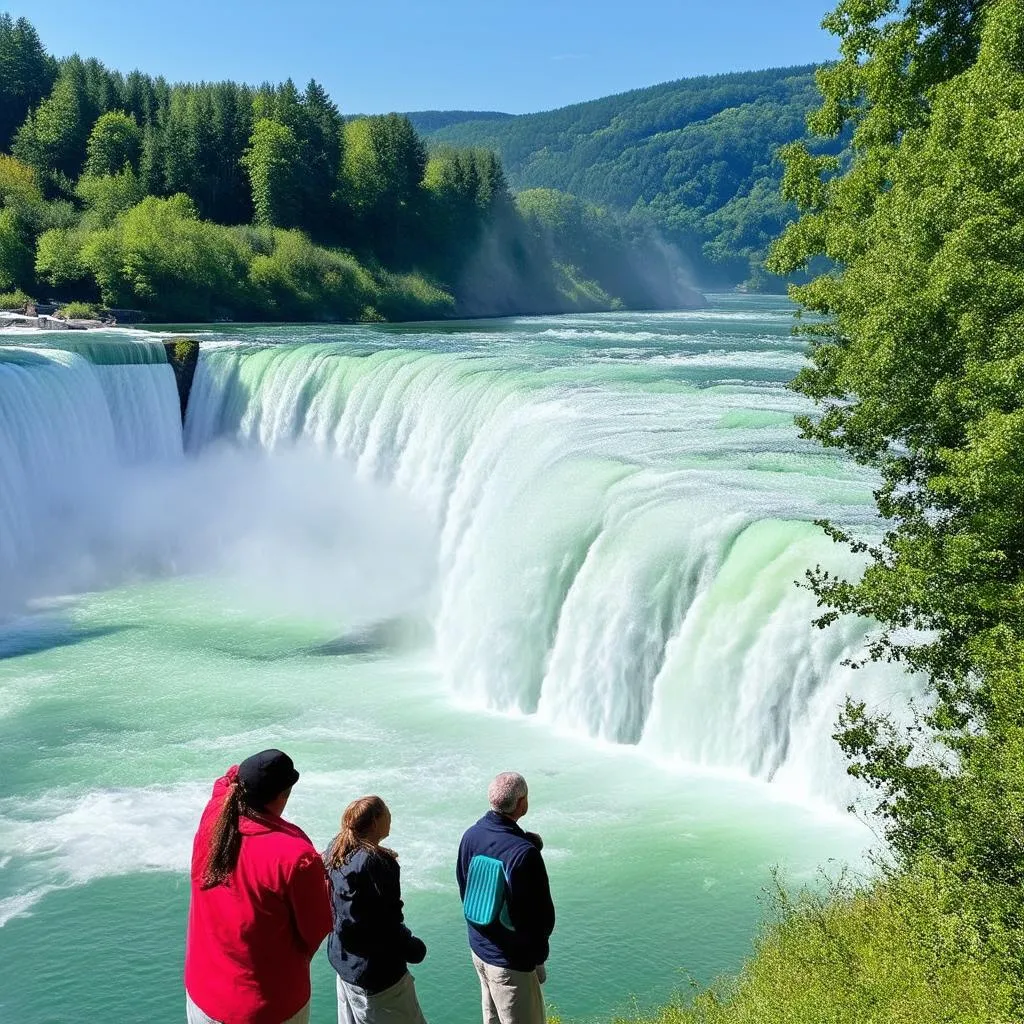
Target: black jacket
column 369, row 945
column 529, row 896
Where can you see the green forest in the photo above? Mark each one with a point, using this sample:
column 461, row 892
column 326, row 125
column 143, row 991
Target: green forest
column 916, row 334
column 193, row 202
column 694, row 160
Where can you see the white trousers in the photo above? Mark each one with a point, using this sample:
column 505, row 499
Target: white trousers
column 193, row 1015
column 395, row 1005
column 509, row 997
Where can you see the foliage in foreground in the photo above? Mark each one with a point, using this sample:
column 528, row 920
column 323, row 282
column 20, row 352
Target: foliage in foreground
column 906, row 951
column 918, row 371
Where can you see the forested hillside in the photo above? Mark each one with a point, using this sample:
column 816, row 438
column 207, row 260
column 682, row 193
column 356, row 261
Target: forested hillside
column 425, row 121
column 693, row 159
column 195, row 201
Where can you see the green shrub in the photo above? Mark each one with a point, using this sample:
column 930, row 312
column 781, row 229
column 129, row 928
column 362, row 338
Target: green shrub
column 412, row 297
column 580, row 293
column 59, row 256
column 79, row 311
column 183, row 349
column 159, row 256
column 15, row 302
column 297, row 280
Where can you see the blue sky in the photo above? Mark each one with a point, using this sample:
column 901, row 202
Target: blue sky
column 453, row 54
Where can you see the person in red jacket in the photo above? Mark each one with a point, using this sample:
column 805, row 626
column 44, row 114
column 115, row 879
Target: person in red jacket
column 260, row 905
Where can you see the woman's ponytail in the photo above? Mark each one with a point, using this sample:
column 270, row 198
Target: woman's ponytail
column 225, row 838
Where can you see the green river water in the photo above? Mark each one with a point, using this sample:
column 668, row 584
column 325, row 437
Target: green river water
column 412, row 557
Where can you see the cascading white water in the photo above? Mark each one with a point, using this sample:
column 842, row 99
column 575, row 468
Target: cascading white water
column 601, row 516
column 616, row 557
column 68, row 426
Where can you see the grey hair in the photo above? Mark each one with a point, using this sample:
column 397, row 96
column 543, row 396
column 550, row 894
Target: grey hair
column 506, row 791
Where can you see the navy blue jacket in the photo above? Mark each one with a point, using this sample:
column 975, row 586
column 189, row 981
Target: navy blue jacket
column 369, row 945
column 529, row 896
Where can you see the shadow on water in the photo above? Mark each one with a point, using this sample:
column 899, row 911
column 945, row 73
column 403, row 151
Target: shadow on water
column 379, row 639
column 21, row 642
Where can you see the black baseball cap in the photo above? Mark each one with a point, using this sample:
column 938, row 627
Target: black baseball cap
column 266, row 775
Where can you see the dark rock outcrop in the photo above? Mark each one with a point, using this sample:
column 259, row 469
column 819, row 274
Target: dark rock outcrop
column 183, row 355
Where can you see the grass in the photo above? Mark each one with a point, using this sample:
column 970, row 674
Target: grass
column 908, row 949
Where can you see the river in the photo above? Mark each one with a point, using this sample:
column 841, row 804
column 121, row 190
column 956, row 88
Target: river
column 413, row 556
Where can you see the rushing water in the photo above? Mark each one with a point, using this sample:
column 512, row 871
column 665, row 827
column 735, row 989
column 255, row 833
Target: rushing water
column 413, row 556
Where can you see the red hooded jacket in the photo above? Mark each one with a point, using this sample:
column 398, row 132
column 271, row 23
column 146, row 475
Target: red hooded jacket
column 250, row 939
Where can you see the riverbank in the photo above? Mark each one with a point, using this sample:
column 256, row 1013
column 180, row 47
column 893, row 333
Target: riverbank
column 902, row 950
column 578, row 298
column 15, row 323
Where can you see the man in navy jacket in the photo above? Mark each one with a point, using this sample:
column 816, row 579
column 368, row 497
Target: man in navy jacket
column 510, row 963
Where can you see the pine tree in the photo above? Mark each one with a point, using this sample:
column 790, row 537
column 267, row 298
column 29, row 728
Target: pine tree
column 27, row 74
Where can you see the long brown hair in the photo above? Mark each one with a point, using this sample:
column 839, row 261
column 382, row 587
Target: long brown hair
column 225, row 837
column 359, row 818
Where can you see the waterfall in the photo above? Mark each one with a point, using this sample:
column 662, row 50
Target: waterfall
column 616, row 559
column 68, row 427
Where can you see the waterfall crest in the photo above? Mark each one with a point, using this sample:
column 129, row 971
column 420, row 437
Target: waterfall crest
column 615, row 556
column 618, row 560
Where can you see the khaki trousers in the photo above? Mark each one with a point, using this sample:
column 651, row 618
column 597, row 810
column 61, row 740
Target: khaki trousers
column 395, row 1005
column 509, row 997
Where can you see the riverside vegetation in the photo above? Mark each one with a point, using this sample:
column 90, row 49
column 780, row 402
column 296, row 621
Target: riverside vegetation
column 918, row 367
column 918, row 370
column 205, row 201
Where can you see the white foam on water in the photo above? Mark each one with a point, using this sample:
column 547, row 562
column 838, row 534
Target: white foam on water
column 590, row 571
column 62, row 840
column 595, row 550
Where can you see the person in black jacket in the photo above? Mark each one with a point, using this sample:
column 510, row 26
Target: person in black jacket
column 510, row 962
column 370, row 946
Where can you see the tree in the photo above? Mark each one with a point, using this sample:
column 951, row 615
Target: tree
column 918, row 369
column 383, row 164
column 26, row 74
column 321, row 161
column 316, row 125
column 451, row 183
column 115, row 142
column 105, row 196
column 15, row 253
column 59, row 256
column 53, row 138
column 19, row 183
column 272, row 163
column 151, row 161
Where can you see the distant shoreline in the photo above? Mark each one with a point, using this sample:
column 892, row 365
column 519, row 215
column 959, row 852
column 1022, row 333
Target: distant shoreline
column 20, row 324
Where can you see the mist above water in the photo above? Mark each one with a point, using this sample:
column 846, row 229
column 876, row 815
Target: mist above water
column 603, row 522
column 100, row 494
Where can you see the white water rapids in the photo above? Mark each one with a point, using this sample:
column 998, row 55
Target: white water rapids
column 618, row 530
